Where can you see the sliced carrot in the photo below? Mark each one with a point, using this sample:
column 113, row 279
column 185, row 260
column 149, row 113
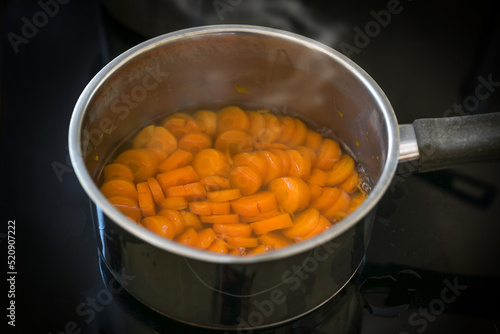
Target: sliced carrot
column 207, row 120
column 194, row 191
column 180, row 124
column 288, row 130
column 160, row 225
column 127, row 206
column 323, row 225
column 232, row 118
column 341, row 170
column 178, row 159
column 210, row 162
column 156, row 190
column 145, row 199
column 142, row 162
column 292, row 193
column 220, row 208
column 328, row 197
column 257, row 123
column 200, row 208
column 299, row 133
column 351, row 183
column 255, row 204
column 223, row 195
column 233, row 230
column 191, row 220
column 234, row 141
column 308, row 152
column 246, row 179
column 188, row 237
column 220, row 219
column 356, row 200
column 272, row 224
column 274, row 240
column 300, row 165
column 273, row 167
column 162, row 140
column 118, row 171
column 142, row 137
column 272, row 129
column 258, row 250
column 247, row 242
column 303, row 224
column 329, row 153
column 195, row 142
column 337, row 211
column 313, row 140
column 260, row 216
column 175, row 217
column 175, row 203
column 177, row 177
column 205, row 238
column 218, row 246
column 285, row 160
column 318, row 177
column 119, row 187
column 263, row 146
column 316, row 190
column 251, row 159
column 215, row 182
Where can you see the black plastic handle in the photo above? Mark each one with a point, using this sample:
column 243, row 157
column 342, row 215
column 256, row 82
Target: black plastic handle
column 447, row 142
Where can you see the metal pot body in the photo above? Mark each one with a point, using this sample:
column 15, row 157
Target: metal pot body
column 224, row 65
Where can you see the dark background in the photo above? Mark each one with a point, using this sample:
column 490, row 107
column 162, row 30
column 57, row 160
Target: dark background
column 430, row 228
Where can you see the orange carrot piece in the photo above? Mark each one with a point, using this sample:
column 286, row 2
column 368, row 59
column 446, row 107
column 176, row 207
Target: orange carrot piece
column 316, row 191
column 127, row 206
column 313, row 140
column 232, row 118
column 175, row 217
column 274, row 240
column 308, row 152
column 356, row 200
column 285, row 160
column 233, row 230
column 337, row 211
column 191, row 220
column 188, row 237
column 233, row 141
column 223, row 195
column 142, row 162
column 195, row 142
column 329, row 153
column 303, row 224
column 215, row 182
column 200, row 208
column 142, row 137
column 220, row 208
column 341, row 170
column 247, row 242
column 178, row 159
column 318, row 176
column 299, row 133
column 207, row 120
column 175, row 203
column 272, row 129
column 292, row 193
column 119, row 187
column 288, row 129
column 156, row 190
column 255, row 204
column 194, row 191
column 177, row 177
column 218, row 246
column 118, row 171
column 160, row 225
column 300, row 165
column 258, row 250
column 259, row 217
column 257, row 123
column 246, row 179
column 251, row 159
column 323, row 225
column 272, row 224
column 273, row 167
column 351, row 183
column 220, row 219
column 205, row 238
column 162, row 140
column 210, row 162
column 145, row 199
column 180, row 124
column 328, row 197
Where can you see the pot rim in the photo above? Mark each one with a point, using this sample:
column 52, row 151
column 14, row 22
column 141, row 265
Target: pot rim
column 88, row 184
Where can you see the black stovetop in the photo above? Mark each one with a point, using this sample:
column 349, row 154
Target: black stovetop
column 432, row 265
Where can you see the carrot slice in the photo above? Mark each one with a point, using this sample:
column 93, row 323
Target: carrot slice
column 118, row 171
column 205, row 238
column 156, row 190
column 200, row 208
column 258, row 250
column 351, row 183
column 127, row 206
column 273, row 167
column 233, row 230
column 257, row 123
column 160, row 225
column 142, row 137
column 285, row 160
column 223, row 195
column 247, row 242
column 179, row 158
column 300, row 165
column 119, row 187
column 192, row 191
column 220, row 208
column 313, row 140
column 327, row 198
column 175, row 203
column 195, row 142
column 177, row 177
column 180, row 124
column 218, row 246
column 329, row 154
column 251, row 159
column 323, row 225
column 232, row 118
column 189, row 237
column 272, row 129
column 162, row 140
column 259, row 217
column 303, row 224
column 299, row 133
column 316, row 191
column 255, row 204
column 337, row 210
column 288, row 130
column 246, row 179
column 308, row 152
column 356, row 200
column 318, row 176
column 207, row 120
column 175, row 217
column 142, row 162
column 234, row 141
column 220, row 219
column 341, row 170
column 292, row 193
column 191, row 220
column 209, row 162
column 145, row 199
column 272, row 224
column 215, row 182
column 274, row 240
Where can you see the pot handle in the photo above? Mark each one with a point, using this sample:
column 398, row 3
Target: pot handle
column 439, row 143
